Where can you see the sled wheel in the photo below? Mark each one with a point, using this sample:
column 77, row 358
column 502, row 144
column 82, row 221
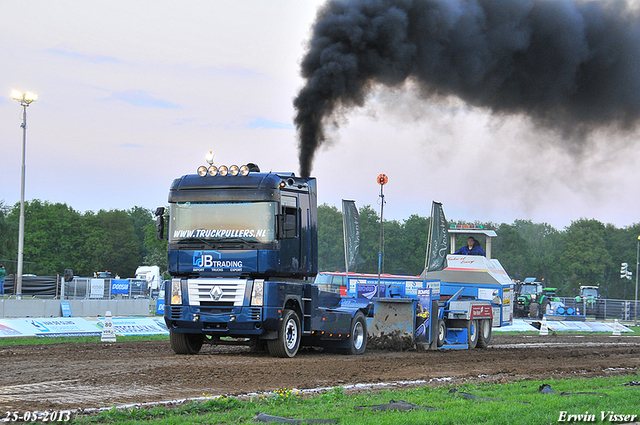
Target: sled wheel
column 484, row 334
column 182, row 343
column 473, row 333
column 288, row 341
column 442, row 333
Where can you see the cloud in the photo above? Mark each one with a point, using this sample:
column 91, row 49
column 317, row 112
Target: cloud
column 237, row 70
column 143, row 99
column 83, row 57
column 262, row 122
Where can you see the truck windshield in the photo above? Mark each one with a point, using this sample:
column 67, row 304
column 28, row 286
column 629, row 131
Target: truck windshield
column 529, row 289
column 223, row 221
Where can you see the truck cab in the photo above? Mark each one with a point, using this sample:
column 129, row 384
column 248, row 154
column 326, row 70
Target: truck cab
column 242, row 251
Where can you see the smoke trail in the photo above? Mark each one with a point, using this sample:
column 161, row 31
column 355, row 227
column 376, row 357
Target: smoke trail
column 570, row 65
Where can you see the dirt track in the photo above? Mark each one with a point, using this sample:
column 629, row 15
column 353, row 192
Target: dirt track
column 93, row 375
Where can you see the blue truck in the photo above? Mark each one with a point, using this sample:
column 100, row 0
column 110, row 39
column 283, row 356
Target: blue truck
column 242, row 253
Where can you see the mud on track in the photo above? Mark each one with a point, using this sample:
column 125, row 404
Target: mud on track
column 94, row 375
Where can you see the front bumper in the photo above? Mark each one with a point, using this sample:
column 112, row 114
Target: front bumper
column 235, row 321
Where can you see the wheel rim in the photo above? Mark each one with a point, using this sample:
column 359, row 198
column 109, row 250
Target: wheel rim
column 291, row 334
column 473, row 331
column 486, row 329
column 358, row 335
column 441, row 332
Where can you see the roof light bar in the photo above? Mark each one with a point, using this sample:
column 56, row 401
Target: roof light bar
column 466, row 226
column 223, row 170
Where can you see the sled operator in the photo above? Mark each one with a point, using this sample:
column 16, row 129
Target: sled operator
column 472, row 248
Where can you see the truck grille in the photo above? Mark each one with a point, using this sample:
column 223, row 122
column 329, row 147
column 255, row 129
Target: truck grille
column 216, row 292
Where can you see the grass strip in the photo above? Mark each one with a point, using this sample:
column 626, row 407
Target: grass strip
column 512, row 403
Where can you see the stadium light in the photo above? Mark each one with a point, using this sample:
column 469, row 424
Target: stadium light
column 25, row 99
column 637, row 264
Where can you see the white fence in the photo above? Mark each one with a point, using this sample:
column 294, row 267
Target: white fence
column 602, row 308
column 106, row 289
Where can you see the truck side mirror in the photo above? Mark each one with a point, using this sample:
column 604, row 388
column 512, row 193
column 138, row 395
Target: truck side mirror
column 160, row 223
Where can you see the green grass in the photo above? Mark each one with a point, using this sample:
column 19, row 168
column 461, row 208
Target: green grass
column 60, row 340
column 513, row 403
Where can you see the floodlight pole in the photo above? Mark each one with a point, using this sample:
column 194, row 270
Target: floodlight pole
column 637, row 264
column 382, row 180
column 25, row 99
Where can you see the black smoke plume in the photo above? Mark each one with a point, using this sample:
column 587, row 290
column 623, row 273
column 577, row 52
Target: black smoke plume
column 569, row 65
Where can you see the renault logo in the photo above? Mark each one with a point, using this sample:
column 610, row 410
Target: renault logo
column 216, row 293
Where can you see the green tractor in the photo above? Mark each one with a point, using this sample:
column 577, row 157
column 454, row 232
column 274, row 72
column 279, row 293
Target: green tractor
column 589, row 301
column 533, row 299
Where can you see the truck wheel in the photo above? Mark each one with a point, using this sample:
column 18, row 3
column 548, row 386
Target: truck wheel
column 473, row 332
column 546, row 308
column 442, row 333
column 182, row 343
column 358, row 338
column 484, row 334
column 533, row 310
column 289, row 335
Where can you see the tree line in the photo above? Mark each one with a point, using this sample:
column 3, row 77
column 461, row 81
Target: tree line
column 57, row 237
column 586, row 252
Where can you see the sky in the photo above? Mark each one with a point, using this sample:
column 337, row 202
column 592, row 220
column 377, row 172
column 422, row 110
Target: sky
column 133, row 94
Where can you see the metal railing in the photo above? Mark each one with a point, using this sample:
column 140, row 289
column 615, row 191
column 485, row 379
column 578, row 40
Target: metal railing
column 603, row 309
column 106, row 289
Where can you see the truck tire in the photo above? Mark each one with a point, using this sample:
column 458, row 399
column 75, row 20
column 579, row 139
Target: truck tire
column 358, row 335
column 182, row 343
column 288, row 341
column 473, row 333
column 533, row 310
column 484, row 333
column 545, row 308
column 442, row 333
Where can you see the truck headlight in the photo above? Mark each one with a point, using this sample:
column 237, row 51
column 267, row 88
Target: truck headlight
column 176, row 291
column 257, row 292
